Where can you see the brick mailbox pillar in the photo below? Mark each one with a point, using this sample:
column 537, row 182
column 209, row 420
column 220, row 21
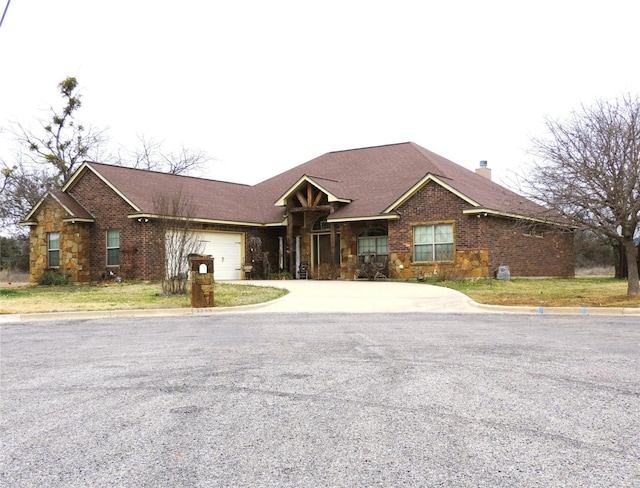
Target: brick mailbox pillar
column 201, row 274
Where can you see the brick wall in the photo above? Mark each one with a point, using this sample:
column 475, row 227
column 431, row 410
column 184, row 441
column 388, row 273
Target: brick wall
column 142, row 243
column 141, row 246
column 481, row 243
column 528, row 250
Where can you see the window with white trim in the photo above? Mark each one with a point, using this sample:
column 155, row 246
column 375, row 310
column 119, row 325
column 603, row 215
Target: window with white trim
column 113, row 248
column 53, row 249
column 433, row 243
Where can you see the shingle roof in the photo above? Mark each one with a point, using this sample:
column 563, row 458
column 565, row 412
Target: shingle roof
column 72, row 208
column 376, row 177
column 371, row 179
column 212, row 200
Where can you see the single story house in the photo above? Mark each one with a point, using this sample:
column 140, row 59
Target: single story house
column 398, row 211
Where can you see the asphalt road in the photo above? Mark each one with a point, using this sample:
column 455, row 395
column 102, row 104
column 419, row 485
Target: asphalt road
column 321, row 400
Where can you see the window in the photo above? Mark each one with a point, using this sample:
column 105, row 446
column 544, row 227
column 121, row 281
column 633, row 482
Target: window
column 372, row 242
column 321, row 225
column 53, row 249
column 113, row 248
column 433, row 242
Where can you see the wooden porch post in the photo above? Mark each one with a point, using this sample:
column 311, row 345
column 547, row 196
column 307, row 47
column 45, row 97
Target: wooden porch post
column 333, row 244
column 289, row 251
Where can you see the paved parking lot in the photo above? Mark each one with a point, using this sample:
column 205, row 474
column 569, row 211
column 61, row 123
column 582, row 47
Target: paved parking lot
column 321, row 400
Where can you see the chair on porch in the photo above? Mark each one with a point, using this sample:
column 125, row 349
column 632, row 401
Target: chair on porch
column 303, row 271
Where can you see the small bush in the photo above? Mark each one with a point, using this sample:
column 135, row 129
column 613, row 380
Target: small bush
column 53, row 277
column 449, row 273
column 282, row 275
column 327, row 272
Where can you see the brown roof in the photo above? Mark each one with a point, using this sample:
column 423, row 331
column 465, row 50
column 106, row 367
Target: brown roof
column 212, row 200
column 72, row 208
column 373, row 180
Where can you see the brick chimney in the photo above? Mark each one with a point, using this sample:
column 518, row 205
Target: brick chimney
column 483, row 170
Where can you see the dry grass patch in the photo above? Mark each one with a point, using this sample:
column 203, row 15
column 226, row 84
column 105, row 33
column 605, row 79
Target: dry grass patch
column 570, row 292
column 122, row 296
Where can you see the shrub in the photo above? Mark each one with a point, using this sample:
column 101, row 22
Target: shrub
column 53, row 277
column 327, row 272
column 282, row 275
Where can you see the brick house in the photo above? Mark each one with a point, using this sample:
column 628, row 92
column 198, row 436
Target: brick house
column 398, row 211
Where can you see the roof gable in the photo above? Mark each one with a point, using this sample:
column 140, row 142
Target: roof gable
column 90, row 166
column 420, row 184
column 74, row 211
column 331, row 188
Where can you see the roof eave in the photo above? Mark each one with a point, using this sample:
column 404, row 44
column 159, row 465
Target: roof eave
column 74, row 220
column 365, row 218
column 510, row 215
column 150, row 216
column 28, row 217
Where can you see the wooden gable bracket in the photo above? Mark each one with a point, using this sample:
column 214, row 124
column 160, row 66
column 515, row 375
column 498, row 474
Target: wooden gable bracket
column 311, row 201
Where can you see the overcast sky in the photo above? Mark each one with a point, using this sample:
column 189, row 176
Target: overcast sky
column 262, row 86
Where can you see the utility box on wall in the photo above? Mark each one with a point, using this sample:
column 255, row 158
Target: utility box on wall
column 201, row 274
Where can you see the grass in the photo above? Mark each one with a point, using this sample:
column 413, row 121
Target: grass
column 582, row 291
column 570, row 292
column 31, row 299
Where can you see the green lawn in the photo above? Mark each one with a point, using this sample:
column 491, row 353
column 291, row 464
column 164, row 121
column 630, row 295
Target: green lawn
column 29, row 298
column 569, row 292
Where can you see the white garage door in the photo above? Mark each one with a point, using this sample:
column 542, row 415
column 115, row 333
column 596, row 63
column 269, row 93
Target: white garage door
column 226, row 249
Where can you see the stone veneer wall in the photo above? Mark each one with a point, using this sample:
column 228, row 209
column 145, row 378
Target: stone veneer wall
column 349, row 232
column 74, row 244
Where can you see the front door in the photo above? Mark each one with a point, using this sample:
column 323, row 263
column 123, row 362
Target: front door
column 322, row 250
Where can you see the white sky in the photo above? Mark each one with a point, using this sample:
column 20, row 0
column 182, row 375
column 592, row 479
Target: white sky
column 262, row 86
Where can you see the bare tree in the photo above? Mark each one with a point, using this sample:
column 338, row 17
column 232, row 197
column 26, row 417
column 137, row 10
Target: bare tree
column 46, row 159
column 64, row 143
column 588, row 169
column 152, row 155
column 22, row 187
column 175, row 213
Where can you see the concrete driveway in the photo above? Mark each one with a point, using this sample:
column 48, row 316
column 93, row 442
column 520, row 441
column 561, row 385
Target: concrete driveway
column 363, row 297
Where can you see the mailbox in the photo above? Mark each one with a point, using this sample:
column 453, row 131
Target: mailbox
column 201, row 274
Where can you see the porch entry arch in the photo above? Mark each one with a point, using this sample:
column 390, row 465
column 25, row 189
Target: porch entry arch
column 325, row 249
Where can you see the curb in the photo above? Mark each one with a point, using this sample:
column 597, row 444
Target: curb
column 556, row 310
column 107, row 314
column 183, row 312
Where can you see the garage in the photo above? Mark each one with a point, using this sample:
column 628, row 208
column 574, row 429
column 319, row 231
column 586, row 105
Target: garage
column 226, row 249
